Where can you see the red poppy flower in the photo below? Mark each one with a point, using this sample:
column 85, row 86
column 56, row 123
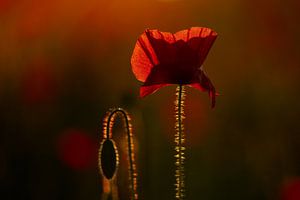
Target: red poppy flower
column 162, row 58
column 76, row 149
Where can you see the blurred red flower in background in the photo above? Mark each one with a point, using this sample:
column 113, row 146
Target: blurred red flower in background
column 291, row 190
column 162, row 58
column 77, row 149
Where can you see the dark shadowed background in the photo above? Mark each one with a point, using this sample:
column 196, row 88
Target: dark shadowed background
column 63, row 63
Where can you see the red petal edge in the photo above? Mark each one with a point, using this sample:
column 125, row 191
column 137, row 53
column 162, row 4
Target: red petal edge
column 146, row 90
column 195, row 32
column 211, row 92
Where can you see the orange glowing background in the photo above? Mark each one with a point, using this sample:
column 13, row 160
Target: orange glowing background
column 63, row 63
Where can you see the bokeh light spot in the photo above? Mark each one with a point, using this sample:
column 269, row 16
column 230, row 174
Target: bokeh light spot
column 291, row 190
column 77, row 149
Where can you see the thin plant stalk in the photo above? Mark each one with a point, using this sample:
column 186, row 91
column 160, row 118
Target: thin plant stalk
column 110, row 189
column 179, row 143
column 107, row 135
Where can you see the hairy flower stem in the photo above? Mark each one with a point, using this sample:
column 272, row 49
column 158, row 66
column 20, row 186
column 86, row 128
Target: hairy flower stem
column 179, row 143
column 107, row 134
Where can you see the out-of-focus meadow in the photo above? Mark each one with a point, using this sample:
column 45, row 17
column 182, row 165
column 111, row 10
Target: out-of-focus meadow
column 63, row 63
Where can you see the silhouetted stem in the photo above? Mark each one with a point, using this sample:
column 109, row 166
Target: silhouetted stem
column 179, row 142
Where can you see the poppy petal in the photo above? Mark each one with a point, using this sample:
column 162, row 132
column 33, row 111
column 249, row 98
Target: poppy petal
column 146, row 90
column 159, row 35
column 205, row 85
column 143, row 58
column 151, row 48
column 194, row 32
column 200, row 39
column 211, row 92
column 162, row 44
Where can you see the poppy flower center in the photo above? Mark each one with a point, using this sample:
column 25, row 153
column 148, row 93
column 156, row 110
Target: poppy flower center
column 180, row 67
column 185, row 63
